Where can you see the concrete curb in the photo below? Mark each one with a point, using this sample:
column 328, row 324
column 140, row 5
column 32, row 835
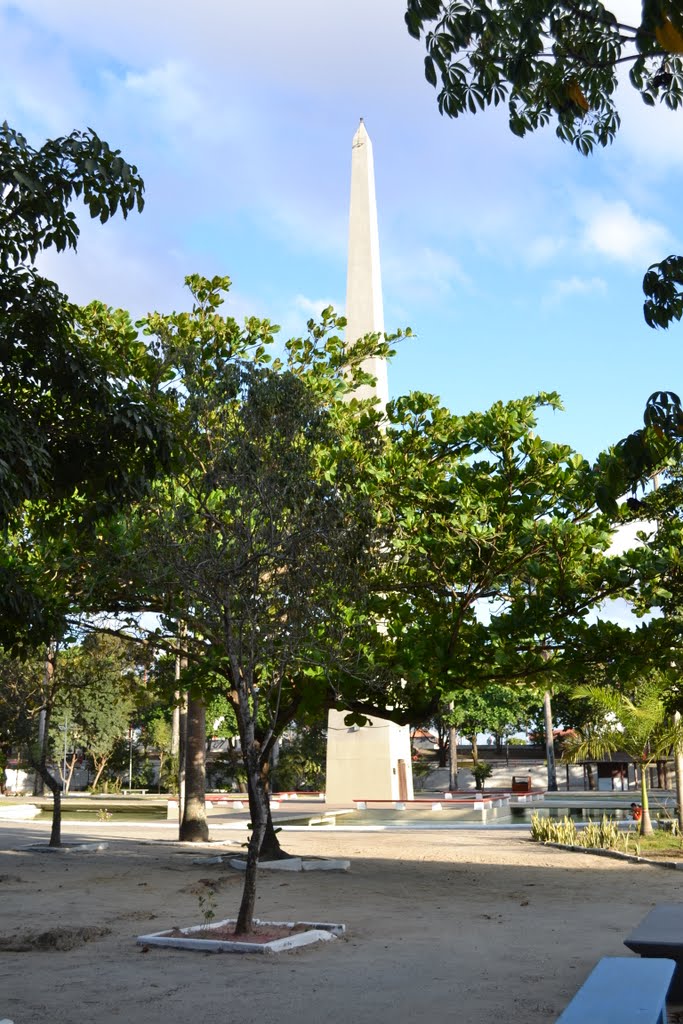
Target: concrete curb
column 294, row 864
column 317, row 931
column 672, row 865
column 68, row 848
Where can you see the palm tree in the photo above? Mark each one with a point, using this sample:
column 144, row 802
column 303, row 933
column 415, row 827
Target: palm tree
column 641, row 726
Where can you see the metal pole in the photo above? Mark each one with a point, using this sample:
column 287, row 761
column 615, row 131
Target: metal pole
column 130, row 759
column 549, row 745
column 452, row 753
column 180, row 665
column 678, row 764
column 48, row 673
column 66, row 725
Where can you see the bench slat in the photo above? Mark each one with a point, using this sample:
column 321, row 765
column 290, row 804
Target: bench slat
column 662, row 926
column 622, row 990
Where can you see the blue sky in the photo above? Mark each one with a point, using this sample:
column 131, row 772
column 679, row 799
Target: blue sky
column 518, row 263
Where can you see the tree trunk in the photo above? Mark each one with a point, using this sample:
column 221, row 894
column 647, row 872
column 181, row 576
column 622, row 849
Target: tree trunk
column 549, row 742
column 99, row 767
column 662, row 775
column 162, row 758
column 56, row 830
column 258, row 806
column 645, row 821
column 270, row 845
column 71, row 765
column 475, row 750
column 443, row 752
column 193, row 826
column 39, row 764
column 55, row 788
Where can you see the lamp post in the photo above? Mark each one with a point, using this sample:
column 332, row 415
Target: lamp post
column 452, row 753
column 66, row 729
column 130, row 759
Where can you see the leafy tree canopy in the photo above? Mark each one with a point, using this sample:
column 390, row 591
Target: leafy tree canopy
column 639, row 723
column 556, row 62
column 77, row 408
column 498, row 551
column 495, row 709
column 97, row 696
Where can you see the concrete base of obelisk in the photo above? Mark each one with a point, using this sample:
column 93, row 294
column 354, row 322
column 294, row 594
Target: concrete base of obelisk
column 368, row 763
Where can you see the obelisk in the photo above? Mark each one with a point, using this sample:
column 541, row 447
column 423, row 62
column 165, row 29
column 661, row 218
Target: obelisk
column 364, row 309
column 372, row 762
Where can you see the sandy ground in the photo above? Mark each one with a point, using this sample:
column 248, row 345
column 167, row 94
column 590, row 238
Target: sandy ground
column 466, row 926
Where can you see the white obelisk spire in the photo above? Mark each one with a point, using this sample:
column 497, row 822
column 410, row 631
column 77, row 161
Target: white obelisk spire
column 364, row 312
column 375, row 762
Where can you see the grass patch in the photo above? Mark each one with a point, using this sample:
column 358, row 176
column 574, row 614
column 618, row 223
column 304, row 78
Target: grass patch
column 606, row 835
column 662, row 843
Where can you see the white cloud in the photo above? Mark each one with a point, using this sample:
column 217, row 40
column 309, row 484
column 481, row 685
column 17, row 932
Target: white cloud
column 299, row 310
column 428, row 273
column 620, row 612
column 611, row 228
column 543, row 249
column 626, row 536
column 115, row 267
column 173, row 95
column 567, row 287
column 297, row 43
column 314, row 307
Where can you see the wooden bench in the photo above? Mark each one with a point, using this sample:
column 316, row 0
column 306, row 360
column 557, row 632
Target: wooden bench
column 622, row 990
column 660, row 934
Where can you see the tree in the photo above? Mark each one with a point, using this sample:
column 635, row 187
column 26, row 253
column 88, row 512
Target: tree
column 497, row 550
column 98, row 684
column 28, row 692
column 301, row 760
column 90, row 689
column 262, row 546
column 260, row 541
column 194, row 827
column 641, row 725
column 77, row 403
column 557, row 62
column 322, row 556
column 496, row 709
column 157, row 734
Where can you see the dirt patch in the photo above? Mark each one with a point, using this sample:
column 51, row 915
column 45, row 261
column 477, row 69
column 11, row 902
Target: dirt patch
column 204, row 885
column 259, row 934
column 60, row 939
column 135, row 915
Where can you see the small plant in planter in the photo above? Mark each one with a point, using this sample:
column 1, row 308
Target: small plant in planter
column 481, row 771
column 207, row 905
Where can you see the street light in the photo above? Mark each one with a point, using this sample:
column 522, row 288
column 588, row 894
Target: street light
column 66, row 727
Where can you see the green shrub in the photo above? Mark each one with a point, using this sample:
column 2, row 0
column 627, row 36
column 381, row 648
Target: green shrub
column 552, row 830
column 481, row 771
column 603, row 835
column 168, row 775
